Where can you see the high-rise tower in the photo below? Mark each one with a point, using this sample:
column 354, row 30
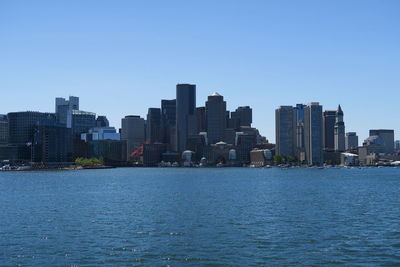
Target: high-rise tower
column 339, row 131
column 185, row 114
column 216, row 118
column 285, row 127
column 313, row 133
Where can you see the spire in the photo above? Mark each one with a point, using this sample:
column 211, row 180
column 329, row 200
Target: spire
column 339, row 110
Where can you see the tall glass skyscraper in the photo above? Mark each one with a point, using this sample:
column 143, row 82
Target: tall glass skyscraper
column 313, row 133
column 216, row 118
column 185, row 114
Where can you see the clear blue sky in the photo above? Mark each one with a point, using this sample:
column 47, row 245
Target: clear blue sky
column 121, row 57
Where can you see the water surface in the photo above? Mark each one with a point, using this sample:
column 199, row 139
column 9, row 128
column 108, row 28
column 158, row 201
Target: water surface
column 200, row 217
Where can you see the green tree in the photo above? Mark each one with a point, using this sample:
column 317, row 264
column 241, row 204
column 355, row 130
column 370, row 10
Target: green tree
column 278, row 159
column 85, row 162
column 290, row 159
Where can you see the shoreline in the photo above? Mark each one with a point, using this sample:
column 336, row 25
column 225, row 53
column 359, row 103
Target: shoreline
column 211, row 167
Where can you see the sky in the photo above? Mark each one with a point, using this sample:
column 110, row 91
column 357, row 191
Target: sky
column 122, row 57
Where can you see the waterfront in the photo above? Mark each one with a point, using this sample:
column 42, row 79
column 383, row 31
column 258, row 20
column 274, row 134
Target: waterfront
column 197, row 217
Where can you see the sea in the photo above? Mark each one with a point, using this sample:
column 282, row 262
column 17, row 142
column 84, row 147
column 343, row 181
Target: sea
column 201, row 217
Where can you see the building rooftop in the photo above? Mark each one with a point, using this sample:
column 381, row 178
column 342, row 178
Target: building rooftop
column 215, row 94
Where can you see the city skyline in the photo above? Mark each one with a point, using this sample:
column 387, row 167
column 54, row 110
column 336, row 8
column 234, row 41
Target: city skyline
column 271, row 139
column 117, row 56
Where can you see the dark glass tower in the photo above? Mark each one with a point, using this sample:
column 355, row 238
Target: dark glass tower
column 216, row 118
column 185, row 114
column 329, row 129
column 168, row 120
column 244, row 116
column 153, row 133
column 22, row 125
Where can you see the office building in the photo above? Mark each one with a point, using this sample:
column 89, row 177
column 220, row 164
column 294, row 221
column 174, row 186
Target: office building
column 339, row 131
column 133, row 131
column 152, row 154
column 168, row 121
column 397, row 145
column 101, row 133
column 216, row 118
column 245, row 142
column 102, row 121
column 285, row 125
column 201, row 119
column 52, row 143
column 351, row 141
column 299, row 132
column 185, row 114
column 329, row 129
column 64, row 109
column 3, row 129
column 154, row 126
column 387, row 136
column 82, row 122
column 111, row 151
column 22, row 125
column 243, row 116
column 313, row 134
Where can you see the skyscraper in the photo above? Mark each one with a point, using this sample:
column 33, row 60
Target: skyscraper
column 244, row 115
column 185, row 114
column 216, row 118
column 201, row 119
column 313, row 133
column 53, row 142
column 339, row 131
column 82, row 121
column 102, row 121
column 3, row 129
column 168, row 119
column 299, row 131
column 153, row 124
column 285, row 125
column 329, row 129
column 64, row 109
column 133, row 131
column 22, row 128
column 22, row 125
column 351, row 141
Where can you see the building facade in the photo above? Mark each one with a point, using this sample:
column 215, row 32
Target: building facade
column 387, row 136
column 329, row 129
column 82, row 122
column 102, row 121
column 154, row 126
column 185, row 114
column 351, row 141
column 22, row 125
column 242, row 116
column 285, row 125
column 4, row 129
column 133, row 131
column 201, row 119
column 216, row 118
column 313, row 134
column 339, row 131
column 168, row 119
column 64, row 108
column 52, row 143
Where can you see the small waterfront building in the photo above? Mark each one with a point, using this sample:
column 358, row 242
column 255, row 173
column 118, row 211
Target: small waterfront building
column 349, row 159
